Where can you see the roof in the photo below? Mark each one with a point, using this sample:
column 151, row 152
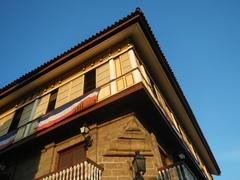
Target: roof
column 136, row 16
column 4, row 91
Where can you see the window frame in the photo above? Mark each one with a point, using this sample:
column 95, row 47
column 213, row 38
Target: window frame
column 52, row 102
column 89, row 83
column 71, row 150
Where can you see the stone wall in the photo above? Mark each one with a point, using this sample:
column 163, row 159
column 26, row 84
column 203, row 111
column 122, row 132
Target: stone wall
column 23, row 165
column 114, row 145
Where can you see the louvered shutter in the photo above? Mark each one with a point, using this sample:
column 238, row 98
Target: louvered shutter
column 42, row 106
column 70, row 91
column 25, row 118
column 102, row 75
column 63, row 95
column 76, row 88
column 26, row 114
column 125, row 63
column 5, row 123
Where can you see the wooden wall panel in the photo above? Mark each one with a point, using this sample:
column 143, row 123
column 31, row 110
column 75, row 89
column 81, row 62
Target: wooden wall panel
column 5, row 123
column 26, row 114
column 125, row 63
column 129, row 80
column 104, row 92
column 42, row 106
column 76, row 88
column 63, row 94
column 102, row 75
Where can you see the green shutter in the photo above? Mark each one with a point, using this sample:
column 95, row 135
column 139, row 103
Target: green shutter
column 5, row 123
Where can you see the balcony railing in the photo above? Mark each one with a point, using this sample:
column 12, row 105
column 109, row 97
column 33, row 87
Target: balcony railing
column 178, row 171
column 86, row 170
column 106, row 90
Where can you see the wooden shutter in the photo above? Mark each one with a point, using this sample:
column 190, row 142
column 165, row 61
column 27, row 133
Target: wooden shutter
column 71, row 156
column 76, row 88
column 5, row 123
column 79, row 153
column 70, row 91
column 125, row 63
column 123, row 67
column 25, row 118
column 63, row 94
column 26, row 114
column 102, row 74
column 42, row 106
column 65, row 160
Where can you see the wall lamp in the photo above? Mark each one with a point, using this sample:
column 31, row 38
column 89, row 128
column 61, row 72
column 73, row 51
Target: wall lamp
column 84, row 130
column 181, row 156
column 139, row 165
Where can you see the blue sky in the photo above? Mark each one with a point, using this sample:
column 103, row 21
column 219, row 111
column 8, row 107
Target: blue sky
column 200, row 39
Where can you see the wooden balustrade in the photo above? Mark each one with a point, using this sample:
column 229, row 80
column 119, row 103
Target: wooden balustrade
column 86, row 170
column 178, row 171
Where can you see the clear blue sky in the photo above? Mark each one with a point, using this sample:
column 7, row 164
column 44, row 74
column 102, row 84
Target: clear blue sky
column 200, row 39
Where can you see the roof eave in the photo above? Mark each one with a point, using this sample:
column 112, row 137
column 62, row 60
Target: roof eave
column 134, row 17
column 162, row 60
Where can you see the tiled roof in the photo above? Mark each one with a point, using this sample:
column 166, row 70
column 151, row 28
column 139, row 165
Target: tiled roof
column 136, row 16
column 59, row 59
column 31, row 73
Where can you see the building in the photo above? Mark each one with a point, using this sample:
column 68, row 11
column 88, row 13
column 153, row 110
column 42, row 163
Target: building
column 85, row 114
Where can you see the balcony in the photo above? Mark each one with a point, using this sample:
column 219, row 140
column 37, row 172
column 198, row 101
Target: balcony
column 106, row 90
column 82, row 171
column 112, row 87
column 178, row 171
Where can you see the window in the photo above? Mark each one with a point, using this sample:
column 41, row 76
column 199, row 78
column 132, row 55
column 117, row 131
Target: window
column 90, row 81
column 71, row 156
column 102, row 75
column 52, row 100
column 41, row 106
column 16, row 119
column 70, row 91
column 123, row 64
column 5, row 123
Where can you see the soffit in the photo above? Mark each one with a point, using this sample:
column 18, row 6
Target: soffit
column 158, row 73
column 136, row 28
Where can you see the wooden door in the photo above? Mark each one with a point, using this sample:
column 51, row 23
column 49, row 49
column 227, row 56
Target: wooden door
column 71, row 156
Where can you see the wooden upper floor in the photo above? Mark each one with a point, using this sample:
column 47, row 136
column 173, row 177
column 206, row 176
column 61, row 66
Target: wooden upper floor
column 118, row 58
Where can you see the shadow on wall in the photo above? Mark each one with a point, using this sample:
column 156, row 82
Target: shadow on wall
column 21, row 165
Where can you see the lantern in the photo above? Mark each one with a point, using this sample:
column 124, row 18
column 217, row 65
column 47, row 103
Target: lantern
column 84, row 129
column 139, row 164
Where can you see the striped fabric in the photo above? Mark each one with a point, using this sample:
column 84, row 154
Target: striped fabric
column 67, row 110
column 7, row 139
